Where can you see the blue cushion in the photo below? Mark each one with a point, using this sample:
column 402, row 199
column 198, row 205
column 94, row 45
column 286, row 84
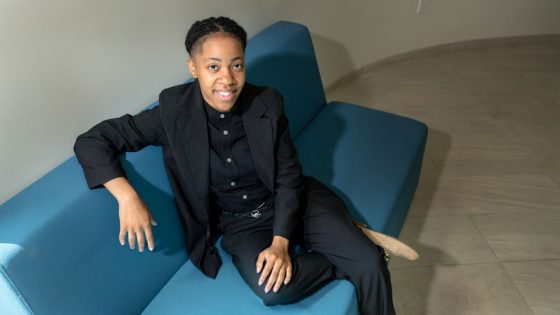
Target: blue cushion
column 282, row 56
column 372, row 159
column 59, row 244
column 190, row 292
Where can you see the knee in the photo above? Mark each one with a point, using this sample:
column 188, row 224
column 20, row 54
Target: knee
column 276, row 298
column 283, row 296
column 372, row 261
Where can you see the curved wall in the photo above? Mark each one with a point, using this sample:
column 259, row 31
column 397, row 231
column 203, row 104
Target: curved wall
column 352, row 34
column 65, row 65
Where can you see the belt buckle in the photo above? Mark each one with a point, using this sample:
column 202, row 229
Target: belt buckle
column 256, row 213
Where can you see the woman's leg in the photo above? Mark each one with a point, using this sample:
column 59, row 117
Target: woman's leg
column 329, row 230
column 245, row 238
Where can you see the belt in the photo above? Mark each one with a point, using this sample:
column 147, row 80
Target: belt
column 255, row 213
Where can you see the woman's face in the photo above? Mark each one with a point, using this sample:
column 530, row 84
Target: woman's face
column 219, row 67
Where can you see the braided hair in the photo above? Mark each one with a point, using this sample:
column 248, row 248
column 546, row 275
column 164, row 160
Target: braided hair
column 201, row 30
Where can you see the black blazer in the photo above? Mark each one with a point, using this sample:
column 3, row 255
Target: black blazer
column 179, row 125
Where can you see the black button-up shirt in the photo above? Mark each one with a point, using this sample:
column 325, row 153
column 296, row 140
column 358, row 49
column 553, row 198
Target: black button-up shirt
column 234, row 184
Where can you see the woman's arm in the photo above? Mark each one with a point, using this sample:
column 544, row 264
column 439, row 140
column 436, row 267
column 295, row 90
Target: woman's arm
column 274, row 262
column 289, row 178
column 99, row 150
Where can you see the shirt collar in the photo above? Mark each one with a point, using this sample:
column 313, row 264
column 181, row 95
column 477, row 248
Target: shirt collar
column 216, row 117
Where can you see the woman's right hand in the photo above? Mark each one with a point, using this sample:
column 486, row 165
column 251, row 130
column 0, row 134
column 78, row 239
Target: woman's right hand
column 136, row 221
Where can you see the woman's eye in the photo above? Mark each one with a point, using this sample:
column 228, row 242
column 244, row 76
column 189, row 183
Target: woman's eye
column 238, row 66
column 213, row 67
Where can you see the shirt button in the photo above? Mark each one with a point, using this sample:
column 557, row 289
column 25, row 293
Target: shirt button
column 244, row 196
column 232, row 184
column 226, row 132
column 228, row 160
column 222, row 115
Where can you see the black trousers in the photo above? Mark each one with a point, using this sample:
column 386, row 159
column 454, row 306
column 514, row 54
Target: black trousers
column 336, row 249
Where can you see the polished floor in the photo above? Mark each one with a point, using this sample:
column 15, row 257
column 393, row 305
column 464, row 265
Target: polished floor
column 486, row 215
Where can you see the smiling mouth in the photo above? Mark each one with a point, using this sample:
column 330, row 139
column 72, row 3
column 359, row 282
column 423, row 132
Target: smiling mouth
column 225, row 95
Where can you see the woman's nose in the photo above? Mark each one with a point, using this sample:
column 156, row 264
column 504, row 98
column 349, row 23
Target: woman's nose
column 228, row 76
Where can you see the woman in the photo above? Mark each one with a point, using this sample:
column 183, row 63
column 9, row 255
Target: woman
column 234, row 171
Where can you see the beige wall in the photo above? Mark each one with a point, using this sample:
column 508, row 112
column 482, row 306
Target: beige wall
column 67, row 64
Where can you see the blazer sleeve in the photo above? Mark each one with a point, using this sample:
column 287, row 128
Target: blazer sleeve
column 99, row 149
column 288, row 178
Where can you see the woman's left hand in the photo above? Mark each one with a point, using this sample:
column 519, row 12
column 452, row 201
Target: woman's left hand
column 277, row 263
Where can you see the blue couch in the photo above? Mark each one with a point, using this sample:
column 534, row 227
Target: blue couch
column 59, row 250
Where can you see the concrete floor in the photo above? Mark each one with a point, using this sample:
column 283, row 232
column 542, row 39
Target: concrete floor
column 486, row 215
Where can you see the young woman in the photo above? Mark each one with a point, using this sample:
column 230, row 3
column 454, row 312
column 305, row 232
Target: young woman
column 234, row 171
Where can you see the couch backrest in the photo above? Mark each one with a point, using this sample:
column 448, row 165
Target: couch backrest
column 282, row 56
column 59, row 251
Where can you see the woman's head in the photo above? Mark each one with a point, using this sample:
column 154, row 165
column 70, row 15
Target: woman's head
column 216, row 48
column 200, row 30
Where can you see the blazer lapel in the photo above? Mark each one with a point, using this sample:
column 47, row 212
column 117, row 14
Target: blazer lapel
column 259, row 130
column 192, row 133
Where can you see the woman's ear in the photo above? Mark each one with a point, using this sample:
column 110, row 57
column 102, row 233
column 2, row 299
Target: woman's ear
column 192, row 69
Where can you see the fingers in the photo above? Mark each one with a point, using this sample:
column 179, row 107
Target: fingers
column 273, row 276
column 122, row 235
column 266, row 271
column 140, row 240
column 278, row 272
column 260, row 262
column 136, row 221
column 141, row 236
column 131, row 239
column 280, row 279
column 288, row 273
column 149, row 238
